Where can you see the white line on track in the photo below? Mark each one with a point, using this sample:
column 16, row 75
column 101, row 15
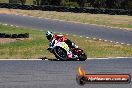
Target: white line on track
column 31, row 16
column 100, row 39
column 128, row 44
column 16, row 26
column 122, row 43
column 11, row 25
column 77, row 22
column 76, row 35
column 109, row 58
column 48, row 59
column 25, row 15
column 111, row 41
column 105, row 40
column 94, row 38
column 117, row 42
column 40, row 17
column 5, row 24
column 21, row 59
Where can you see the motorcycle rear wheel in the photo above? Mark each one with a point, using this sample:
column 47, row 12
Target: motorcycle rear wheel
column 82, row 57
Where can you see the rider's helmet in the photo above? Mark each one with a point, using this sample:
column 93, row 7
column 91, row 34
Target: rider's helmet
column 49, row 35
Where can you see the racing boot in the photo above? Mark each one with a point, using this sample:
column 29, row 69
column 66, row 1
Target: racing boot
column 75, row 56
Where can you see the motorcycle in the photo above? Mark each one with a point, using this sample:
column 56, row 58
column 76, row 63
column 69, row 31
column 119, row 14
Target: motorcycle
column 63, row 52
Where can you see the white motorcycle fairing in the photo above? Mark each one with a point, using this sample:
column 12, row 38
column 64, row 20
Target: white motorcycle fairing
column 64, row 46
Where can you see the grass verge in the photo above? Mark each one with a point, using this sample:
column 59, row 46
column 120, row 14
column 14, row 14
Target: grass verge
column 36, row 46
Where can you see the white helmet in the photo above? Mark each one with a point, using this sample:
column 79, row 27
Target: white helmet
column 49, row 35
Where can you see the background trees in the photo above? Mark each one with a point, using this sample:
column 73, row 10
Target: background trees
column 114, row 4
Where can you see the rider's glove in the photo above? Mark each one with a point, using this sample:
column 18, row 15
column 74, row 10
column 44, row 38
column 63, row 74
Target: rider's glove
column 49, row 49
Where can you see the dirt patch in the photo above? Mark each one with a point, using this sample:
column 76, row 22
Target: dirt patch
column 7, row 11
column 9, row 40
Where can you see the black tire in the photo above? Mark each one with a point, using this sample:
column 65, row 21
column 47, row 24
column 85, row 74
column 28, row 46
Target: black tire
column 26, row 35
column 60, row 53
column 2, row 35
column 82, row 57
column 20, row 36
column 81, row 80
column 7, row 35
column 14, row 36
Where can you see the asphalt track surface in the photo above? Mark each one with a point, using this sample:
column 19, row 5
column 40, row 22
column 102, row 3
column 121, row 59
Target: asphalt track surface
column 59, row 74
column 122, row 36
column 62, row 74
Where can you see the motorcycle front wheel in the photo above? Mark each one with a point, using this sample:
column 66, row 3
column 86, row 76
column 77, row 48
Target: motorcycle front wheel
column 60, row 53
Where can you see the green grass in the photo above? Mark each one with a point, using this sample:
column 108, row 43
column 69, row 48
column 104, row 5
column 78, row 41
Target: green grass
column 31, row 48
column 4, row 1
column 95, row 48
column 36, row 46
column 27, row 1
column 30, row 2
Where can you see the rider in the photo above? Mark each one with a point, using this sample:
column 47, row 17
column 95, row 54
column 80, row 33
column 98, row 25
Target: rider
column 50, row 36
